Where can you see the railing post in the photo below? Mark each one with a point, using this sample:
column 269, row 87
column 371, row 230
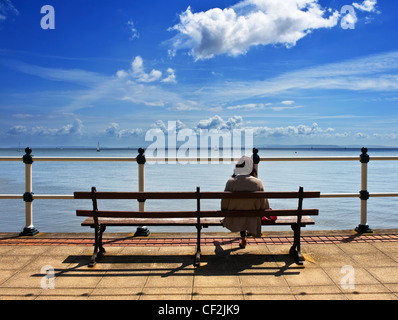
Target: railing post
column 141, row 231
column 256, row 159
column 364, row 194
column 29, row 229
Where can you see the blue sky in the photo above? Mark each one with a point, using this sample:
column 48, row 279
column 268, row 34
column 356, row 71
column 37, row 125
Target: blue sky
column 294, row 71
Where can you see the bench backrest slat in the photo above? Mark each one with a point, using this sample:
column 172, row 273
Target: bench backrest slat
column 194, row 195
column 193, row 214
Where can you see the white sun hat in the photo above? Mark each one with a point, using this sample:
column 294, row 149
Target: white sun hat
column 244, row 166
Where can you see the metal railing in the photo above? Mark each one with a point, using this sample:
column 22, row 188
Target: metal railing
column 28, row 196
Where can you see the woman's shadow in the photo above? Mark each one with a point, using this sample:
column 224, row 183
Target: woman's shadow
column 225, row 262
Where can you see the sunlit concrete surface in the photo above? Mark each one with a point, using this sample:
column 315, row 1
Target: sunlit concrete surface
column 339, row 265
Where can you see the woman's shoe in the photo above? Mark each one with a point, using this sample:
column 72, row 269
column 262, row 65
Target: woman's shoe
column 242, row 243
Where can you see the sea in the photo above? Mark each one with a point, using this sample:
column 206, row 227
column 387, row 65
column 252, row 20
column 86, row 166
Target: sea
column 65, row 177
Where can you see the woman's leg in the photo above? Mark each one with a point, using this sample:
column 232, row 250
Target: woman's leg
column 242, row 242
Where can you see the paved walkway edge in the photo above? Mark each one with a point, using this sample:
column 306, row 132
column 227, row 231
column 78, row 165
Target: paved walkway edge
column 181, row 239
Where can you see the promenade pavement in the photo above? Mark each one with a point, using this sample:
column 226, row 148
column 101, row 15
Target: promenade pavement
column 340, row 265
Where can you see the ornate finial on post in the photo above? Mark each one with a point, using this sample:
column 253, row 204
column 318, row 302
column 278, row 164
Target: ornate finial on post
column 141, row 158
column 27, row 158
column 256, row 157
column 364, row 156
column 141, row 231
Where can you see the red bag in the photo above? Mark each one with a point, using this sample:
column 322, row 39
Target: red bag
column 268, row 219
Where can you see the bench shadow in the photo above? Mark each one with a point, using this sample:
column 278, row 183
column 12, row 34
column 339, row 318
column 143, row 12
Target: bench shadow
column 224, row 262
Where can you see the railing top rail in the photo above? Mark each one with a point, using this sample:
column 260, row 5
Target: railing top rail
column 200, row 159
column 322, row 195
column 41, row 158
column 10, row 158
column 313, row 158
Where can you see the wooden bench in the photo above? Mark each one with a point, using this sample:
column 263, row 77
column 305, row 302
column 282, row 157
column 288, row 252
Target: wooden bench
column 100, row 219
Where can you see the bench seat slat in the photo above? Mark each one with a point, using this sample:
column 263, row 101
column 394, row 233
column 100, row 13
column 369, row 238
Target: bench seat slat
column 284, row 220
column 192, row 214
column 193, row 195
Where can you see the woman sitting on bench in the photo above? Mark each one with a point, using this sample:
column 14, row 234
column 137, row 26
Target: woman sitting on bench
column 244, row 179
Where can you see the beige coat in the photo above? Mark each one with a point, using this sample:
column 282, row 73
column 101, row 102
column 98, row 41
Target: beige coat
column 237, row 224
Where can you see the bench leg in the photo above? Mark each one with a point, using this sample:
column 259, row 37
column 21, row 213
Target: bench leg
column 197, row 259
column 197, row 255
column 93, row 259
column 98, row 248
column 295, row 249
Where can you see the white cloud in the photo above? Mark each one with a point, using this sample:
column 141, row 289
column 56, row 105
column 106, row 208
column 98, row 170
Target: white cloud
column 361, row 135
column 121, row 74
column 76, row 128
column 171, row 78
column 77, row 76
column 289, row 131
column 137, row 72
column 23, row 115
column 281, row 108
column 133, row 31
column 377, row 73
column 262, row 106
column 234, row 30
column 133, row 84
column 185, row 106
column 144, row 94
column 159, row 124
column 234, row 122
column 172, row 126
column 17, row 130
column 145, row 100
column 287, row 105
column 137, row 67
column 217, row 123
column 6, row 7
column 247, row 107
column 212, row 123
column 366, row 5
column 113, row 130
column 237, row 122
